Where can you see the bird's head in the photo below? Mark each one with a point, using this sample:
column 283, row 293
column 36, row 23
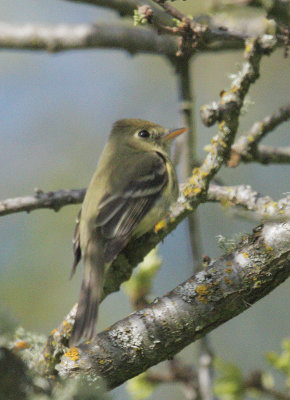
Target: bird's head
column 144, row 135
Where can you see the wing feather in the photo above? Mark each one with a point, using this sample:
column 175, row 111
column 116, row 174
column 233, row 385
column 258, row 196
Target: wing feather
column 76, row 245
column 120, row 213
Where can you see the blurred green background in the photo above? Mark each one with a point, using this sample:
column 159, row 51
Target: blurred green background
column 56, row 112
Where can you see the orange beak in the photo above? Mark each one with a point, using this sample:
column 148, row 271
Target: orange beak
column 173, row 134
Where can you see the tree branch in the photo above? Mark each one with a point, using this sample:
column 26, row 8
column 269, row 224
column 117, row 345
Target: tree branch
column 232, row 100
column 52, row 200
column 271, row 155
column 85, row 36
column 246, row 147
column 263, row 208
column 56, row 38
column 239, row 279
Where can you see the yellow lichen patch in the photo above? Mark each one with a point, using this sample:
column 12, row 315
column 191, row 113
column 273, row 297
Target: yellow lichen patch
column 235, row 88
column 101, row 362
column 66, row 324
column 229, row 263
column 53, row 332
column 195, row 171
column 228, row 281
column 160, row 225
column 88, row 342
column 251, row 138
column 269, row 249
column 21, row 344
column 221, row 125
column 196, row 190
column 188, row 191
column 245, row 255
column 73, row 354
column 203, row 299
column 229, row 270
column 202, row 290
column 282, row 211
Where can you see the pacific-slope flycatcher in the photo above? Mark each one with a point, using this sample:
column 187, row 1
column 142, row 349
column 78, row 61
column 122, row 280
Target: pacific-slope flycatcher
column 132, row 189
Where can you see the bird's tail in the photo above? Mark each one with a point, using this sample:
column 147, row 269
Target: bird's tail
column 84, row 327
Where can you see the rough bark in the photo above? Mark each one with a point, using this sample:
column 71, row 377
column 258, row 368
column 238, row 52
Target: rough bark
column 228, row 287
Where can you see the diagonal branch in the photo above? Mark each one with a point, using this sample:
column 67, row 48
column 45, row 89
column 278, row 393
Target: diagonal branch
column 247, row 148
column 263, row 208
column 228, row 287
column 271, row 155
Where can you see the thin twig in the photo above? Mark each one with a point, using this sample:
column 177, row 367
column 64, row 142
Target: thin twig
column 51, row 200
column 264, row 154
column 246, row 147
column 262, row 208
column 232, row 100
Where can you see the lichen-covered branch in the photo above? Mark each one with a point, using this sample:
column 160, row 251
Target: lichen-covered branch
column 263, row 208
column 228, row 287
column 231, row 100
column 247, row 148
column 52, row 200
column 227, row 112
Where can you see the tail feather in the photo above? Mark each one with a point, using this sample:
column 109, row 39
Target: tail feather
column 84, row 328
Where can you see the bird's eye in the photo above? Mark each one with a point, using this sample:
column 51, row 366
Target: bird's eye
column 144, row 134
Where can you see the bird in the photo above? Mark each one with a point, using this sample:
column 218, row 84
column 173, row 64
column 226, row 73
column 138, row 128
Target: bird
column 131, row 191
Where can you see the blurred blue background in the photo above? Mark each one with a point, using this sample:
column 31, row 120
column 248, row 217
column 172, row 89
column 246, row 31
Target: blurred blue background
column 56, row 112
